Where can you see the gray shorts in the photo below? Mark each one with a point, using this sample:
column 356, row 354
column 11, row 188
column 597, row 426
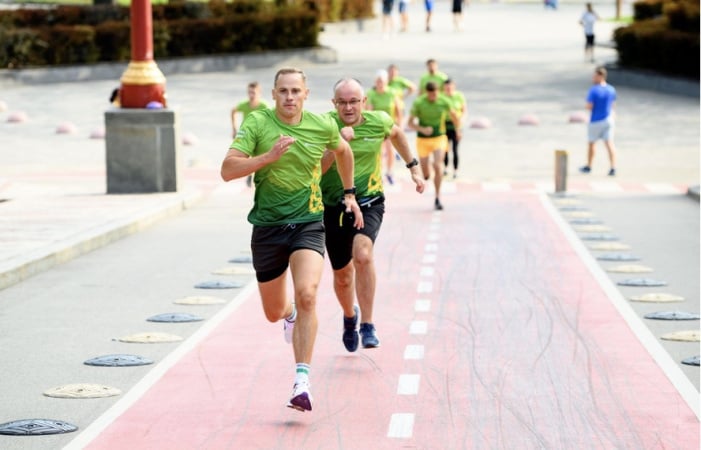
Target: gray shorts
column 601, row 130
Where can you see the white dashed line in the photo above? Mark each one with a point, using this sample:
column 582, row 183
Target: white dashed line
column 401, row 425
column 605, row 186
column 422, row 305
column 661, row 188
column 426, row 272
column 429, row 248
column 414, row 352
column 428, row 259
column 433, row 236
column 424, row 287
column 418, row 327
column 408, row 384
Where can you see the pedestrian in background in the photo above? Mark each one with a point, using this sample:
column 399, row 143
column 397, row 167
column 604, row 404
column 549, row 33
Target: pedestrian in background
column 284, row 147
column 387, row 22
column 351, row 250
column 253, row 103
column 588, row 19
column 403, row 15
column 601, row 101
column 457, row 14
column 383, row 98
column 432, row 75
column 454, row 135
column 428, row 115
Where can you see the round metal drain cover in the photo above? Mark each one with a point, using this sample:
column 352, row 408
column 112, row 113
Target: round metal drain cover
column 234, row 270
column 586, row 221
column 36, row 427
column 578, row 214
column 150, row 338
column 609, row 246
column 657, row 298
column 685, row 336
column 672, row 315
column 617, row 257
column 598, row 237
column 118, row 361
column 82, row 390
column 630, row 268
column 174, row 318
column 692, row 361
column 642, row 282
column 567, row 201
column 573, row 208
column 199, row 300
column 241, row 259
column 217, row 284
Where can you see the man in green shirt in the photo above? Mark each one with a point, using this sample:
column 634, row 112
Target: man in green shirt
column 383, row 98
column 433, row 75
column 428, row 116
column 253, row 103
column 351, row 249
column 457, row 98
column 284, row 146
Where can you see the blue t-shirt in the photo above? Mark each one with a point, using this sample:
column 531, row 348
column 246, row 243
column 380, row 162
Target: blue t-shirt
column 601, row 96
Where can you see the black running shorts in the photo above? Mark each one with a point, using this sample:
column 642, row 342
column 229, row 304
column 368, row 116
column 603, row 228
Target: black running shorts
column 272, row 246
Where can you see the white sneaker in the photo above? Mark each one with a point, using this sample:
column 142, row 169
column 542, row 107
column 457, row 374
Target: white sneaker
column 288, row 327
column 301, row 399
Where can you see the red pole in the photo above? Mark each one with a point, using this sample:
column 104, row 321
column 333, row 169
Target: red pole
column 142, row 82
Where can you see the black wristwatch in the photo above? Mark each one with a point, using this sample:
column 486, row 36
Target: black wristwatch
column 349, row 191
column 413, row 163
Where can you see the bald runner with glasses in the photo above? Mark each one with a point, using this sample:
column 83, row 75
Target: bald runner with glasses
column 350, row 248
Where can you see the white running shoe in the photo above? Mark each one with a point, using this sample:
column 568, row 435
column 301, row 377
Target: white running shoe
column 301, row 399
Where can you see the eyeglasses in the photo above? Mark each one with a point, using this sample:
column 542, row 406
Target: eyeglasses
column 353, row 102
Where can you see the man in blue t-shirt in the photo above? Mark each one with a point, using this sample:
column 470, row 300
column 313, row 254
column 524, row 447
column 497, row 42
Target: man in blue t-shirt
column 600, row 101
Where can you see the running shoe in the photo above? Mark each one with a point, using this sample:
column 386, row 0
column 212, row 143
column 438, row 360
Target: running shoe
column 390, row 179
column 301, row 399
column 438, row 205
column 367, row 333
column 612, row 172
column 585, row 169
column 288, row 328
column 350, row 333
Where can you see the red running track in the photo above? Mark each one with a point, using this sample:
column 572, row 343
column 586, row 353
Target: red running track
column 494, row 333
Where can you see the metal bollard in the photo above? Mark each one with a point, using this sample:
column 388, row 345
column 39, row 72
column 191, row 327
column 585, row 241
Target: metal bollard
column 560, row 170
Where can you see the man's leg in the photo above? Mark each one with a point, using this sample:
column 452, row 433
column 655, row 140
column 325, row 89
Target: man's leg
column 438, row 156
column 273, row 295
column 591, row 150
column 306, row 267
column 365, row 278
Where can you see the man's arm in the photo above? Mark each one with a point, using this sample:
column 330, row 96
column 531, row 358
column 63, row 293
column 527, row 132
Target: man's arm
column 345, row 165
column 237, row 164
column 401, row 144
column 233, row 121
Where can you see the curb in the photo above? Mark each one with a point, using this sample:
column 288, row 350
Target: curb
column 652, row 81
column 204, row 64
column 22, row 267
column 693, row 192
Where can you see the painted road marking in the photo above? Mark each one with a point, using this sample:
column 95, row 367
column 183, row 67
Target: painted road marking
column 408, row 384
column 414, row 352
column 661, row 188
column 424, row 287
column 422, row 306
column 426, row 271
column 401, row 425
column 418, row 327
column 428, row 259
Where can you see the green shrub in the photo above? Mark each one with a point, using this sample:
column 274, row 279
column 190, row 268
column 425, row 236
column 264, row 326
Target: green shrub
column 647, row 9
column 683, row 15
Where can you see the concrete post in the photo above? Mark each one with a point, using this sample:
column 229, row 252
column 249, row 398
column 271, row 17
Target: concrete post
column 560, row 170
column 142, row 151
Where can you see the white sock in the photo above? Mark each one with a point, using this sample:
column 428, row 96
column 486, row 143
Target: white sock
column 302, row 373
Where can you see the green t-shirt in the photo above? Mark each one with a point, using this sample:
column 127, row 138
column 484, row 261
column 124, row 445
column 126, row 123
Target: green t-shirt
column 438, row 78
column 245, row 107
column 386, row 101
column 287, row 191
column 432, row 114
column 400, row 84
column 367, row 152
column 457, row 100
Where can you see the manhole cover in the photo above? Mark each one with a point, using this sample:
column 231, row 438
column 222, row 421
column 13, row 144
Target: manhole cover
column 592, row 228
column 36, row 427
column 82, row 390
column 629, row 268
column 573, row 208
column 150, row 338
column 609, row 246
column 174, row 317
column 672, row 315
column 586, row 221
column 685, row 336
column 200, row 300
column 692, row 361
column 234, row 270
column 578, row 214
column 217, row 284
column 657, row 298
column 642, row 282
column 598, row 237
column 241, row 259
column 617, row 257
column 118, row 361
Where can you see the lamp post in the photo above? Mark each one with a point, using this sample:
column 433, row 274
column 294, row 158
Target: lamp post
column 142, row 82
